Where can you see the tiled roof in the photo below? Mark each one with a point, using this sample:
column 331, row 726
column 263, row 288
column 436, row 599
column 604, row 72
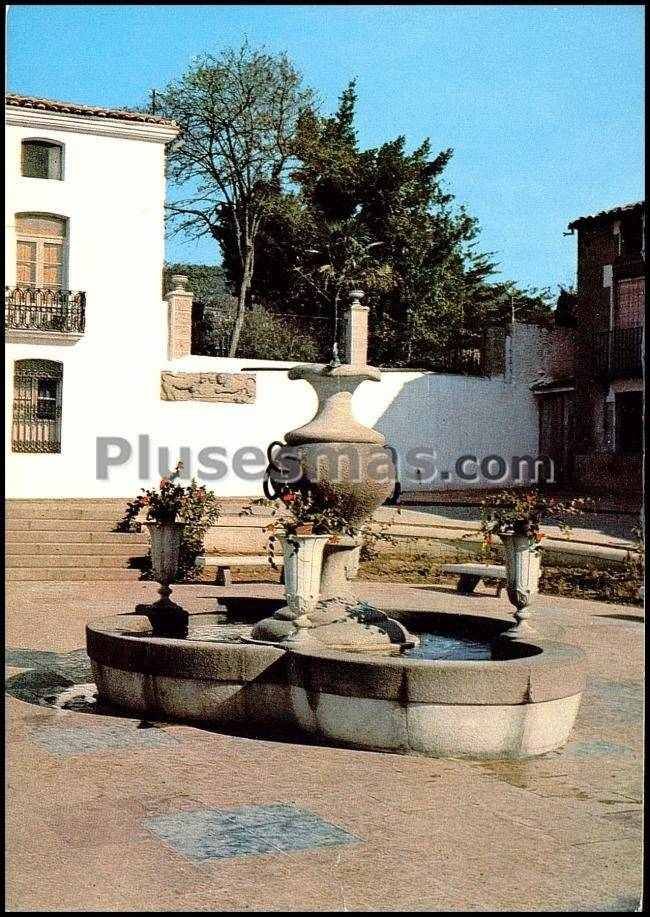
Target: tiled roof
column 72, row 108
column 609, row 214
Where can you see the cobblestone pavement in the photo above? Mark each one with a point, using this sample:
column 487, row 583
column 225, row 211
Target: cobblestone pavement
column 111, row 813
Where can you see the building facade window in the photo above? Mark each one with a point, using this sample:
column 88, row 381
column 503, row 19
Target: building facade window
column 629, row 423
column 36, row 420
column 41, row 253
column 630, row 302
column 42, row 159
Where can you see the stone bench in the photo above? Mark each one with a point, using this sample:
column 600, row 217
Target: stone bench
column 223, row 563
column 470, row 575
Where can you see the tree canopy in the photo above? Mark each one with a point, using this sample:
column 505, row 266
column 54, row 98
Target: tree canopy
column 302, row 214
column 381, row 219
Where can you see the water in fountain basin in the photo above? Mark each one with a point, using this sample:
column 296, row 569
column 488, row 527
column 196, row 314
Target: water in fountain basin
column 443, row 646
column 431, row 646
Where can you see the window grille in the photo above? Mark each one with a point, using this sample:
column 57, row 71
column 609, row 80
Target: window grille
column 36, row 418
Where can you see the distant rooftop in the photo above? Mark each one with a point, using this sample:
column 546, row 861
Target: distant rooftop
column 607, row 214
column 92, row 111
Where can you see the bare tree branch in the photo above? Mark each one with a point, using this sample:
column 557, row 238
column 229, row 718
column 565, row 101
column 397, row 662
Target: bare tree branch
column 238, row 113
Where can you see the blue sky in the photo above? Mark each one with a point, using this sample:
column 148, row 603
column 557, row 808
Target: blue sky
column 543, row 105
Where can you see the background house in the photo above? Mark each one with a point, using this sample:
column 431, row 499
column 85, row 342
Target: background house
column 590, row 393
column 84, row 246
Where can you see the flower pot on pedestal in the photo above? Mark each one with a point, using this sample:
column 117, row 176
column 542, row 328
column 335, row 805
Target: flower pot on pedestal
column 523, row 564
column 303, row 560
column 166, row 617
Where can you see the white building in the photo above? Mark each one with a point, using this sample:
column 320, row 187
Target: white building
column 84, row 250
column 93, row 352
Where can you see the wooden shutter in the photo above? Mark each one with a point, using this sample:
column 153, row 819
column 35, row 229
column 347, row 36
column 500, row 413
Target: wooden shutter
column 40, row 224
column 40, row 251
column 52, row 265
column 26, row 264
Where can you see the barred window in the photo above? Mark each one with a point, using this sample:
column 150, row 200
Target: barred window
column 36, row 422
column 42, row 159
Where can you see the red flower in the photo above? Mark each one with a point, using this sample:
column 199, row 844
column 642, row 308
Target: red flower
column 288, row 497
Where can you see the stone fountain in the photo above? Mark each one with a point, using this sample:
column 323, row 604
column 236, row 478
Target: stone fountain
column 339, row 669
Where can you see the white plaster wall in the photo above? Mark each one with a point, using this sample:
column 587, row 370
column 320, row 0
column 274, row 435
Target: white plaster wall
column 112, row 194
column 450, row 415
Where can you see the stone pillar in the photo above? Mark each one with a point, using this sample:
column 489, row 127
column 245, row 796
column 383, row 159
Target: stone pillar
column 356, row 341
column 179, row 318
column 494, row 351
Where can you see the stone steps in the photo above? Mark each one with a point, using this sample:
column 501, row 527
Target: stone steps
column 70, row 540
column 70, row 537
column 72, row 560
column 73, row 549
column 55, row 524
column 62, row 574
column 58, row 509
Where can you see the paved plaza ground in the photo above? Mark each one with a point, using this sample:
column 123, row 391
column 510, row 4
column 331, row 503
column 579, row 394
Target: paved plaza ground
column 110, row 813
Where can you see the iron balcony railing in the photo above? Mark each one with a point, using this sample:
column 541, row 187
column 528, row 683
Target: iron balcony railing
column 619, row 352
column 31, row 309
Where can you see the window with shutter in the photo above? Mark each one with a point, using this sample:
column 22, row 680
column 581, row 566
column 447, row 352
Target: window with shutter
column 40, row 251
column 26, row 263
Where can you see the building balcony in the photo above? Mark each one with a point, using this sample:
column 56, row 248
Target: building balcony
column 44, row 316
column 619, row 353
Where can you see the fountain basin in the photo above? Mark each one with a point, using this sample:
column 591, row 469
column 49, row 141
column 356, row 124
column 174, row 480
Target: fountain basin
column 521, row 702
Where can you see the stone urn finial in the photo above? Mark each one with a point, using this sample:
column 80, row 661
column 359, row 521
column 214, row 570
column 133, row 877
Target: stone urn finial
column 180, row 283
column 356, row 296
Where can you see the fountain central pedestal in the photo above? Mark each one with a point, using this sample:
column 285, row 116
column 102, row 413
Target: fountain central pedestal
column 347, row 468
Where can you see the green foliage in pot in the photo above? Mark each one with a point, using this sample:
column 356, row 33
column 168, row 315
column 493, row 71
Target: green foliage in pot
column 194, row 505
column 511, row 512
column 298, row 511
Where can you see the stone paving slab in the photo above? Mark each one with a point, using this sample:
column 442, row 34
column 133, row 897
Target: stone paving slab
column 560, row 832
column 206, row 834
column 82, row 740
